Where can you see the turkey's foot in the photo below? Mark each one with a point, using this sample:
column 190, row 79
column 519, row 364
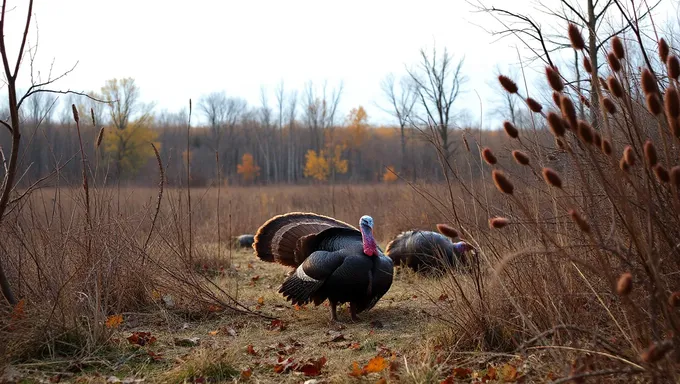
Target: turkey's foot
column 334, row 314
column 353, row 313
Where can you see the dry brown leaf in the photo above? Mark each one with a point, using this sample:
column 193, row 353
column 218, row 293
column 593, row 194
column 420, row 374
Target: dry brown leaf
column 260, row 300
column 114, row 321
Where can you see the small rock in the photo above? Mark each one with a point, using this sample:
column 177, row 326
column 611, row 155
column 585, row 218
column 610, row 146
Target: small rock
column 314, row 381
column 187, row 342
column 113, row 379
column 168, row 301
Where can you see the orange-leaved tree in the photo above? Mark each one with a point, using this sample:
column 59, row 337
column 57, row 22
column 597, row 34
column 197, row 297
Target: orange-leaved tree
column 390, row 175
column 319, row 166
column 248, row 169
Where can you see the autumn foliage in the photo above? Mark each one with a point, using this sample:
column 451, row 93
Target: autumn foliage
column 247, row 168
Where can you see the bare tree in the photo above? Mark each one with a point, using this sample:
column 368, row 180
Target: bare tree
column 401, row 99
column 292, row 154
column 437, row 82
column 320, row 111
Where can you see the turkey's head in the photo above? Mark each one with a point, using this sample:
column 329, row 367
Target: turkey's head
column 366, row 227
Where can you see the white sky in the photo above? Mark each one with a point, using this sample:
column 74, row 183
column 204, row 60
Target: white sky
column 180, row 50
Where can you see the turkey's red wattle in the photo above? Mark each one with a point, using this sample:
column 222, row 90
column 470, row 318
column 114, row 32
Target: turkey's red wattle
column 370, row 246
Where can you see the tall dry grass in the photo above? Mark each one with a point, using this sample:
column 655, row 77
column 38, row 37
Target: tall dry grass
column 579, row 257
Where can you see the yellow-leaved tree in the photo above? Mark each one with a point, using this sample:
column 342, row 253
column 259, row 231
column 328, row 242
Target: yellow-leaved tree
column 248, row 169
column 320, row 166
column 128, row 143
column 357, row 127
column 390, row 175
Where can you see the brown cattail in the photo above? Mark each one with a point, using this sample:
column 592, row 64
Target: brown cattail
column 76, row 117
column 614, row 86
column 663, row 50
column 609, row 105
column 575, row 37
column 556, row 98
column 597, row 139
column 502, row 183
column 662, row 173
column 488, row 156
column 617, row 47
column 656, row 351
column 447, row 231
column 556, row 124
column 552, row 178
column 100, row 136
column 498, row 222
column 578, row 219
column 629, row 155
column 554, row 79
column 673, row 66
column 604, row 84
column 568, row 111
column 520, row 157
column 625, row 284
column 654, row 104
column 650, row 153
column 534, row 105
column 606, row 147
column 586, row 65
column 675, row 176
column 508, row 84
column 674, row 299
column 623, row 165
column 648, row 82
column 672, row 102
column 585, row 132
column 510, row 129
column 614, row 63
column 94, row 121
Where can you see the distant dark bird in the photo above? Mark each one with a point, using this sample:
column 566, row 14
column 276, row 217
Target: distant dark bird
column 333, row 260
column 244, row 241
column 429, row 252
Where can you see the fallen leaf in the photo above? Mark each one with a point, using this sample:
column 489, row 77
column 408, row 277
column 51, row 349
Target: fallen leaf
column 246, row 373
column 155, row 356
column 260, row 300
column 277, row 324
column 114, row 321
column 354, row 346
column 491, row 373
column 381, row 381
column 250, row 266
column 284, row 365
column 251, row 350
column 214, row 333
column 141, row 338
column 299, row 307
column 376, row 364
column 255, row 278
column 312, row 367
column 448, row 380
column 508, row 372
column 443, row 297
column 356, row 371
column 462, row 373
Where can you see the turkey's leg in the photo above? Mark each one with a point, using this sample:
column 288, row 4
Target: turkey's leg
column 353, row 312
column 334, row 314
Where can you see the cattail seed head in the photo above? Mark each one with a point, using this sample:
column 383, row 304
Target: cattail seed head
column 629, row 155
column 662, row 173
column 606, row 147
column 575, row 37
column 673, row 66
column 623, row 165
column 672, row 102
column 650, row 153
column 508, row 84
column 609, row 105
column 617, row 47
column 614, row 63
column 502, row 183
column 554, row 79
column 556, row 124
column 614, row 86
column 100, row 136
column 663, row 50
column 586, row 65
column 510, row 129
column 648, row 82
column 520, row 157
column 488, row 156
column 674, row 299
column 552, row 178
column 585, row 132
column 578, row 220
column 625, row 284
column 556, row 98
column 597, row 139
column 568, row 111
column 498, row 222
column 76, row 117
column 654, row 104
column 675, row 176
column 656, row 352
column 447, row 231
column 534, row 105
column 94, row 121
column 604, row 84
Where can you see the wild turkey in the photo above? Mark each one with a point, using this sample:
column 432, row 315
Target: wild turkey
column 244, row 241
column 332, row 259
column 429, row 252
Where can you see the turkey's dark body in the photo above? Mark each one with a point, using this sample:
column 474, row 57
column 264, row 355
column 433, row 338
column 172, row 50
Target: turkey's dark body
column 424, row 251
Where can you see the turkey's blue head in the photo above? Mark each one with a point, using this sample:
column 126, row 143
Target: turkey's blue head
column 366, row 227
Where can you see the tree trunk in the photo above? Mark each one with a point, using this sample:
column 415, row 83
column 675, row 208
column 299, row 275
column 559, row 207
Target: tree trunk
column 592, row 49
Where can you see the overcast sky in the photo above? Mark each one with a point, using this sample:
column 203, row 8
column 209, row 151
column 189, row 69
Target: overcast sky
column 180, row 50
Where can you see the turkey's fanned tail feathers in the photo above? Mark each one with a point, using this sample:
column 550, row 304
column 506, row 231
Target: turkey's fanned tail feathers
column 278, row 239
